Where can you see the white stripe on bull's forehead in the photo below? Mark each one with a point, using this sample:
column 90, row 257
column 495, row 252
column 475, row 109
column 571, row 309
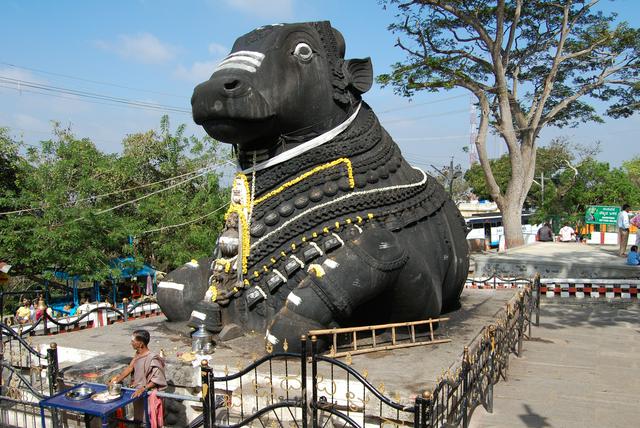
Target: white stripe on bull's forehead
column 253, row 54
column 244, row 60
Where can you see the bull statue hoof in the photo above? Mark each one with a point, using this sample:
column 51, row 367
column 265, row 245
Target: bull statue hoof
column 328, row 226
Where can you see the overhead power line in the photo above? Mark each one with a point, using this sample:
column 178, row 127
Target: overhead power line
column 426, row 103
column 98, row 82
column 206, row 171
column 18, row 84
column 444, row 137
column 413, row 119
column 198, row 173
column 151, row 194
column 186, row 222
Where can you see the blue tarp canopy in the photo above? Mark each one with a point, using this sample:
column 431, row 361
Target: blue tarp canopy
column 127, row 268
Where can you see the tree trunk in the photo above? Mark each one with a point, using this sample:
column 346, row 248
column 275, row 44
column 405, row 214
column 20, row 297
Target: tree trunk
column 512, row 222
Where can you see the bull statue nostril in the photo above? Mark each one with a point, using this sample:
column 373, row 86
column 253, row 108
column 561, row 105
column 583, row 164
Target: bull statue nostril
column 231, row 85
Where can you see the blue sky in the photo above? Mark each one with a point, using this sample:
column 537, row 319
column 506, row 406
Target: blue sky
column 157, row 51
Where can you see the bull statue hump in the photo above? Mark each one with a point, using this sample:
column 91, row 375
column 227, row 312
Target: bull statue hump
column 328, row 224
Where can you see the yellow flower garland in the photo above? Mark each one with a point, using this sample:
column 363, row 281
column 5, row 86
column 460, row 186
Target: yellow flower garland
column 244, row 230
column 307, row 174
column 248, row 206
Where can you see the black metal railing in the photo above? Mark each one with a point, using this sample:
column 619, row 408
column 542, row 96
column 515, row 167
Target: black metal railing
column 103, row 314
column 338, row 395
column 26, row 377
column 470, row 384
column 255, row 393
column 498, row 281
column 275, row 390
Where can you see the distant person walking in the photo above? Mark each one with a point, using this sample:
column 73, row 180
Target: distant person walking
column 623, row 230
column 545, row 233
column 567, row 234
column 636, row 222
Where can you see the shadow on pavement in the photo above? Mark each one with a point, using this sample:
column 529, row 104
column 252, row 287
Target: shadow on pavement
column 533, row 420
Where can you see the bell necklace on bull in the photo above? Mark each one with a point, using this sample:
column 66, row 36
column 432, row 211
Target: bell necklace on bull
column 234, row 242
column 243, row 193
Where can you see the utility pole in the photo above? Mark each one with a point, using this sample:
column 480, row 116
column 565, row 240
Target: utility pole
column 473, row 132
column 449, row 175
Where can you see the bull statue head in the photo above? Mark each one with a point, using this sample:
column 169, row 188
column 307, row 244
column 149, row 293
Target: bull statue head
column 281, row 85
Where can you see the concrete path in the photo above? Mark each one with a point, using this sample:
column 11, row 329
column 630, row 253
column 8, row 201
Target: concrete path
column 406, row 371
column 582, row 369
column 556, row 260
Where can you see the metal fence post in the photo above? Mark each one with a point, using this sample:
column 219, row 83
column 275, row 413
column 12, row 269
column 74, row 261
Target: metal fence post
column 529, row 307
column 492, row 367
column 1, row 349
column 465, row 387
column 520, row 322
column 125, row 304
column 314, row 382
column 417, row 412
column 208, row 392
column 427, row 409
column 303, row 376
column 52, row 374
column 422, row 410
column 52, row 367
column 536, row 282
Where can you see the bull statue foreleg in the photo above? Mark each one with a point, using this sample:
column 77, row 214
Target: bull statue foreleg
column 368, row 265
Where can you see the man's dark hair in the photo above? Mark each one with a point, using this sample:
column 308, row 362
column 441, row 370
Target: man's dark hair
column 142, row 336
column 634, row 248
column 625, row 207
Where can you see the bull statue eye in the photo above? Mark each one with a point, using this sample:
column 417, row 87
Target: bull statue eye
column 303, row 51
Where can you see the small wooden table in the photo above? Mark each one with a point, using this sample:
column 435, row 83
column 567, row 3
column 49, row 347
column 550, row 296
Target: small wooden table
column 88, row 407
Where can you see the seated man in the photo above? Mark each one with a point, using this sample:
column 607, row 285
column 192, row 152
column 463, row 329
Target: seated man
column 567, row 234
column 23, row 314
column 633, row 258
column 545, row 233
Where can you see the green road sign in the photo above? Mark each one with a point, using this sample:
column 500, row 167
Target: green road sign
column 598, row 214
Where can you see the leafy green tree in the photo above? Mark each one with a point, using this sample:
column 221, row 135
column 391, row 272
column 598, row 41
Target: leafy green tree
column 594, row 183
column 9, row 159
column 530, row 64
column 81, row 207
column 158, row 156
column 59, row 228
column 633, row 169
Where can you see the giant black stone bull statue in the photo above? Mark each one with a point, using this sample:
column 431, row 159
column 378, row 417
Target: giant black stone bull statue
column 328, row 224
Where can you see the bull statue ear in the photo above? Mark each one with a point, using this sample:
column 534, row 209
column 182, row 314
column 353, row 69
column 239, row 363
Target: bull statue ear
column 359, row 74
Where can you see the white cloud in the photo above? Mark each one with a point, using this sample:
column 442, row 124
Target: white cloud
column 198, row 72
column 28, row 122
column 217, row 49
column 274, row 9
column 14, row 73
column 143, row 47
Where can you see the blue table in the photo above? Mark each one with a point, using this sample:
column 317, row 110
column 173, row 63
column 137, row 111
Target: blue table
column 90, row 407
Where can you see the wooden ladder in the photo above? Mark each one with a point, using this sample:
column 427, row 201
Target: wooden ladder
column 374, row 346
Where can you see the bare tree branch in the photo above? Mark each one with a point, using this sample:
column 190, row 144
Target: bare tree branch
column 512, row 33
column 550, row 78
column 579, row 93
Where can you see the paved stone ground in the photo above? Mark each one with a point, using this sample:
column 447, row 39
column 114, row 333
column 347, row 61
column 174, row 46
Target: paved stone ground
column 582, row 369
column 556, row 260
column 405, row 371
